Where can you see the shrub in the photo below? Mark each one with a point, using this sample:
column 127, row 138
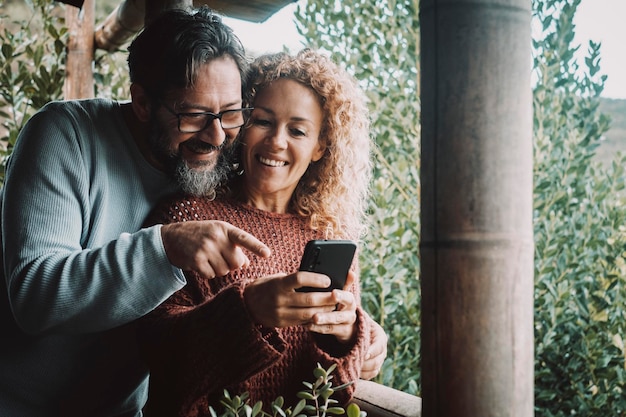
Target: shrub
column 32, row 67
column 316, row 401
column 580, row 237
column 377, row 41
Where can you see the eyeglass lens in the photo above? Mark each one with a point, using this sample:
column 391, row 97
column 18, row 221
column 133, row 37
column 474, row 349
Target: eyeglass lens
column 230, row 119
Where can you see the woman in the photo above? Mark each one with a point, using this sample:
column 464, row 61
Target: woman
column 305, row 156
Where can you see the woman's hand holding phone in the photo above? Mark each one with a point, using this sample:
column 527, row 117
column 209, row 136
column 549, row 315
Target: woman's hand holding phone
column 273, row 301
column 339, row 322
column 314, row 296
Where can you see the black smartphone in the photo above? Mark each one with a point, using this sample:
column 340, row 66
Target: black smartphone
column 332, row 258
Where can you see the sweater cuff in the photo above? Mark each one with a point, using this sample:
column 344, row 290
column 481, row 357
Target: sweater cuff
column 157, row 238
column 269, row 335
column 263, row 341
column 329, row 344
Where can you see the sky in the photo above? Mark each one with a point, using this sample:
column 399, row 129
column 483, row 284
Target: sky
column 270, row 35
column 603, row 21
column 598, row 20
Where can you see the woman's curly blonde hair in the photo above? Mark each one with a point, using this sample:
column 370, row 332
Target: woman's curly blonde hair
column 332, row 192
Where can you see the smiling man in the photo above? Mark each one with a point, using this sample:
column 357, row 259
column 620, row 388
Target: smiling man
column 81, row 180
column 193, row 154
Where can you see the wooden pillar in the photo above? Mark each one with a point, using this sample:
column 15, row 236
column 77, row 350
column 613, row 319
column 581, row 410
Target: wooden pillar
column 476, row 206
column 80, row 51
column 123, row 23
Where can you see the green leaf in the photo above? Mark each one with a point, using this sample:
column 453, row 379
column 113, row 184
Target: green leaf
column 353, row 410
column 299, row 407
column 258, row 406
column 305, row 395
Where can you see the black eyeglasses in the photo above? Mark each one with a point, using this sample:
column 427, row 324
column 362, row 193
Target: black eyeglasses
column 198, row 121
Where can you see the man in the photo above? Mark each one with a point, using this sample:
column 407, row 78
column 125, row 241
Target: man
column 81, row 180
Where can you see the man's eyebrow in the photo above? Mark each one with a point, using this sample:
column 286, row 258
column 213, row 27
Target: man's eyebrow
column 184, row 105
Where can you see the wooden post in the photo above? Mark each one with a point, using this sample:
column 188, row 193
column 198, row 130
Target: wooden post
column 80, row 51
column 476, row 206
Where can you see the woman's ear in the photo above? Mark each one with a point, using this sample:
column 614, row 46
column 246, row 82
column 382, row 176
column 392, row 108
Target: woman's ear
column 319, row 152
column 140, row 102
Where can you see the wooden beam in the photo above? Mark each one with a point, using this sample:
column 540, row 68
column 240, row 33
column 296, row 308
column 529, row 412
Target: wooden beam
column 382, row 401
column 120, row 26
column 80, row 51
column 128, row 17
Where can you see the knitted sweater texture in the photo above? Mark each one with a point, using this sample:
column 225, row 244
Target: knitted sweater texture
column 202, row 339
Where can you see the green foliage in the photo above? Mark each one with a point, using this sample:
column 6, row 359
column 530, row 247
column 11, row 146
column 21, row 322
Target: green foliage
column 580, row 237
column 32, row 71
column 316, row 401
column 111, row 75
column 32, row 66
column 377, row 41
column 578, row 211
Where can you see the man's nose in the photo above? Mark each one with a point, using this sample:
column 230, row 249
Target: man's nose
column 213, row 133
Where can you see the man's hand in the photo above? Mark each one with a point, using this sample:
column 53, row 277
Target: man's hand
column 210, row 247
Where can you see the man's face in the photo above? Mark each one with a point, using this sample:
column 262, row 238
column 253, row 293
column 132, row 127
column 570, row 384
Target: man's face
column 198, row 160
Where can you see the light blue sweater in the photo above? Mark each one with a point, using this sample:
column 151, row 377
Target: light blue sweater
column 77, row 265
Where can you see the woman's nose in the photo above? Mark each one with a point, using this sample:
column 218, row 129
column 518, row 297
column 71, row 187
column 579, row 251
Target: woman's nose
column 277, row 139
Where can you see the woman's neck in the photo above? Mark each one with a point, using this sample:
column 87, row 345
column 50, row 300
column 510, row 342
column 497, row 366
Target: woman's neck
column 266, row 202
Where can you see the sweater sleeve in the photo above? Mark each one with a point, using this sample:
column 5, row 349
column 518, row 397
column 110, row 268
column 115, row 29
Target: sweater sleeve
column 68, row 267
column 348, row 357
column 204, row 348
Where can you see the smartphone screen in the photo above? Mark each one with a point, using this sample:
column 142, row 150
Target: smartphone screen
column 332, row 258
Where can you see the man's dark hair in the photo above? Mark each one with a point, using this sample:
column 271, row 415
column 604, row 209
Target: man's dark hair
column 167, row 53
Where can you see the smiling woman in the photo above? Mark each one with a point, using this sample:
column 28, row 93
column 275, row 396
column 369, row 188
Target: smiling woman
column 280, row 143
column 305, row 159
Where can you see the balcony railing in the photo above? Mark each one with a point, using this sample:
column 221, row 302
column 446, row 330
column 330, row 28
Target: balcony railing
column 381, row 401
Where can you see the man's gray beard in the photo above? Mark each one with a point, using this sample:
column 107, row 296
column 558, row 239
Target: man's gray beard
column 202, row 182
column 192, row 180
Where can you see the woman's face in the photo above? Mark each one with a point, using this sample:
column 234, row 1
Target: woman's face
column 281, row 140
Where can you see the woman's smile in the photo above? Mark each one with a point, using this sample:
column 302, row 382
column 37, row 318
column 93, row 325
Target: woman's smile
column 271, row 162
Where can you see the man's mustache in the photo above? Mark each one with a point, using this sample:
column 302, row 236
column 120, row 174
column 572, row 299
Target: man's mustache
column 199, row 146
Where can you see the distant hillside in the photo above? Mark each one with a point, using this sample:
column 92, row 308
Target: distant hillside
column 615, row 138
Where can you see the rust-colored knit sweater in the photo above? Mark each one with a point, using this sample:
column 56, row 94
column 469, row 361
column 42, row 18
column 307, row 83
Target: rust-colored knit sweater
column 202, row 340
